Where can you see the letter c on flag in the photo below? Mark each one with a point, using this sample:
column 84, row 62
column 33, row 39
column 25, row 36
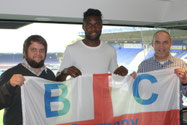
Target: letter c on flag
column 136, row 95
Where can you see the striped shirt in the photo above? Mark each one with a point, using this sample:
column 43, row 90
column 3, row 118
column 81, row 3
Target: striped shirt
column 152, row 64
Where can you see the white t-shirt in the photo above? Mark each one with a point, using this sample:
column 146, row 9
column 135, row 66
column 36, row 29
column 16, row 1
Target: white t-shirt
column 90, row 60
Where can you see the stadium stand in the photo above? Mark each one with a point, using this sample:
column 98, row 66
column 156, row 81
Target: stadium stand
column 126, row 55
column 51, row 59
column 150, row 54
column 10, row 58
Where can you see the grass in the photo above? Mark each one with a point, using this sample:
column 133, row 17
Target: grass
column 1, row 117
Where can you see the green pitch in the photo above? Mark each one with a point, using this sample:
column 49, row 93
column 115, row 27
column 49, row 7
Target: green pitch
column 1, row 117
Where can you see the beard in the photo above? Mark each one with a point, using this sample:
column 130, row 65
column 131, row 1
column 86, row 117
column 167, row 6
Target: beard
column 93, row 38
column 35, row 64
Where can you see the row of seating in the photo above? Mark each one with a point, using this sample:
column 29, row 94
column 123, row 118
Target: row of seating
column 126, row 55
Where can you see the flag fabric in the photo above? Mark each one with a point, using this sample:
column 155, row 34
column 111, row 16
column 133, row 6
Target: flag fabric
column 103, row 99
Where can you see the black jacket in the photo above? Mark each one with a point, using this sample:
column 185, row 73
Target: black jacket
column 10, row 97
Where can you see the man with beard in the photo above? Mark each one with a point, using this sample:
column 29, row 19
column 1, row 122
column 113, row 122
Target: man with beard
column 34, row 54
column 90, row 55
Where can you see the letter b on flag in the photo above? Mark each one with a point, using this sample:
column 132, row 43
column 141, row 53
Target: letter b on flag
column 48, row 99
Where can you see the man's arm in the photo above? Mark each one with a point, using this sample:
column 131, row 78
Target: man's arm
column 181, row 73
column 6, row 95
column 7, row 89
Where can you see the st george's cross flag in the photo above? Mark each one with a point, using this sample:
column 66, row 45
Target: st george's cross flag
column 103, row 99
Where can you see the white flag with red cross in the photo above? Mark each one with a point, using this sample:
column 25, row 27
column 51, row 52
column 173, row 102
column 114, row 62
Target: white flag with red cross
column 103, row 99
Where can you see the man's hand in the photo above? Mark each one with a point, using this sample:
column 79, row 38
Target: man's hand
column 122, row 71
column 17, row 80
column 181, row 73
column 72, row 71
column 133, row 74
